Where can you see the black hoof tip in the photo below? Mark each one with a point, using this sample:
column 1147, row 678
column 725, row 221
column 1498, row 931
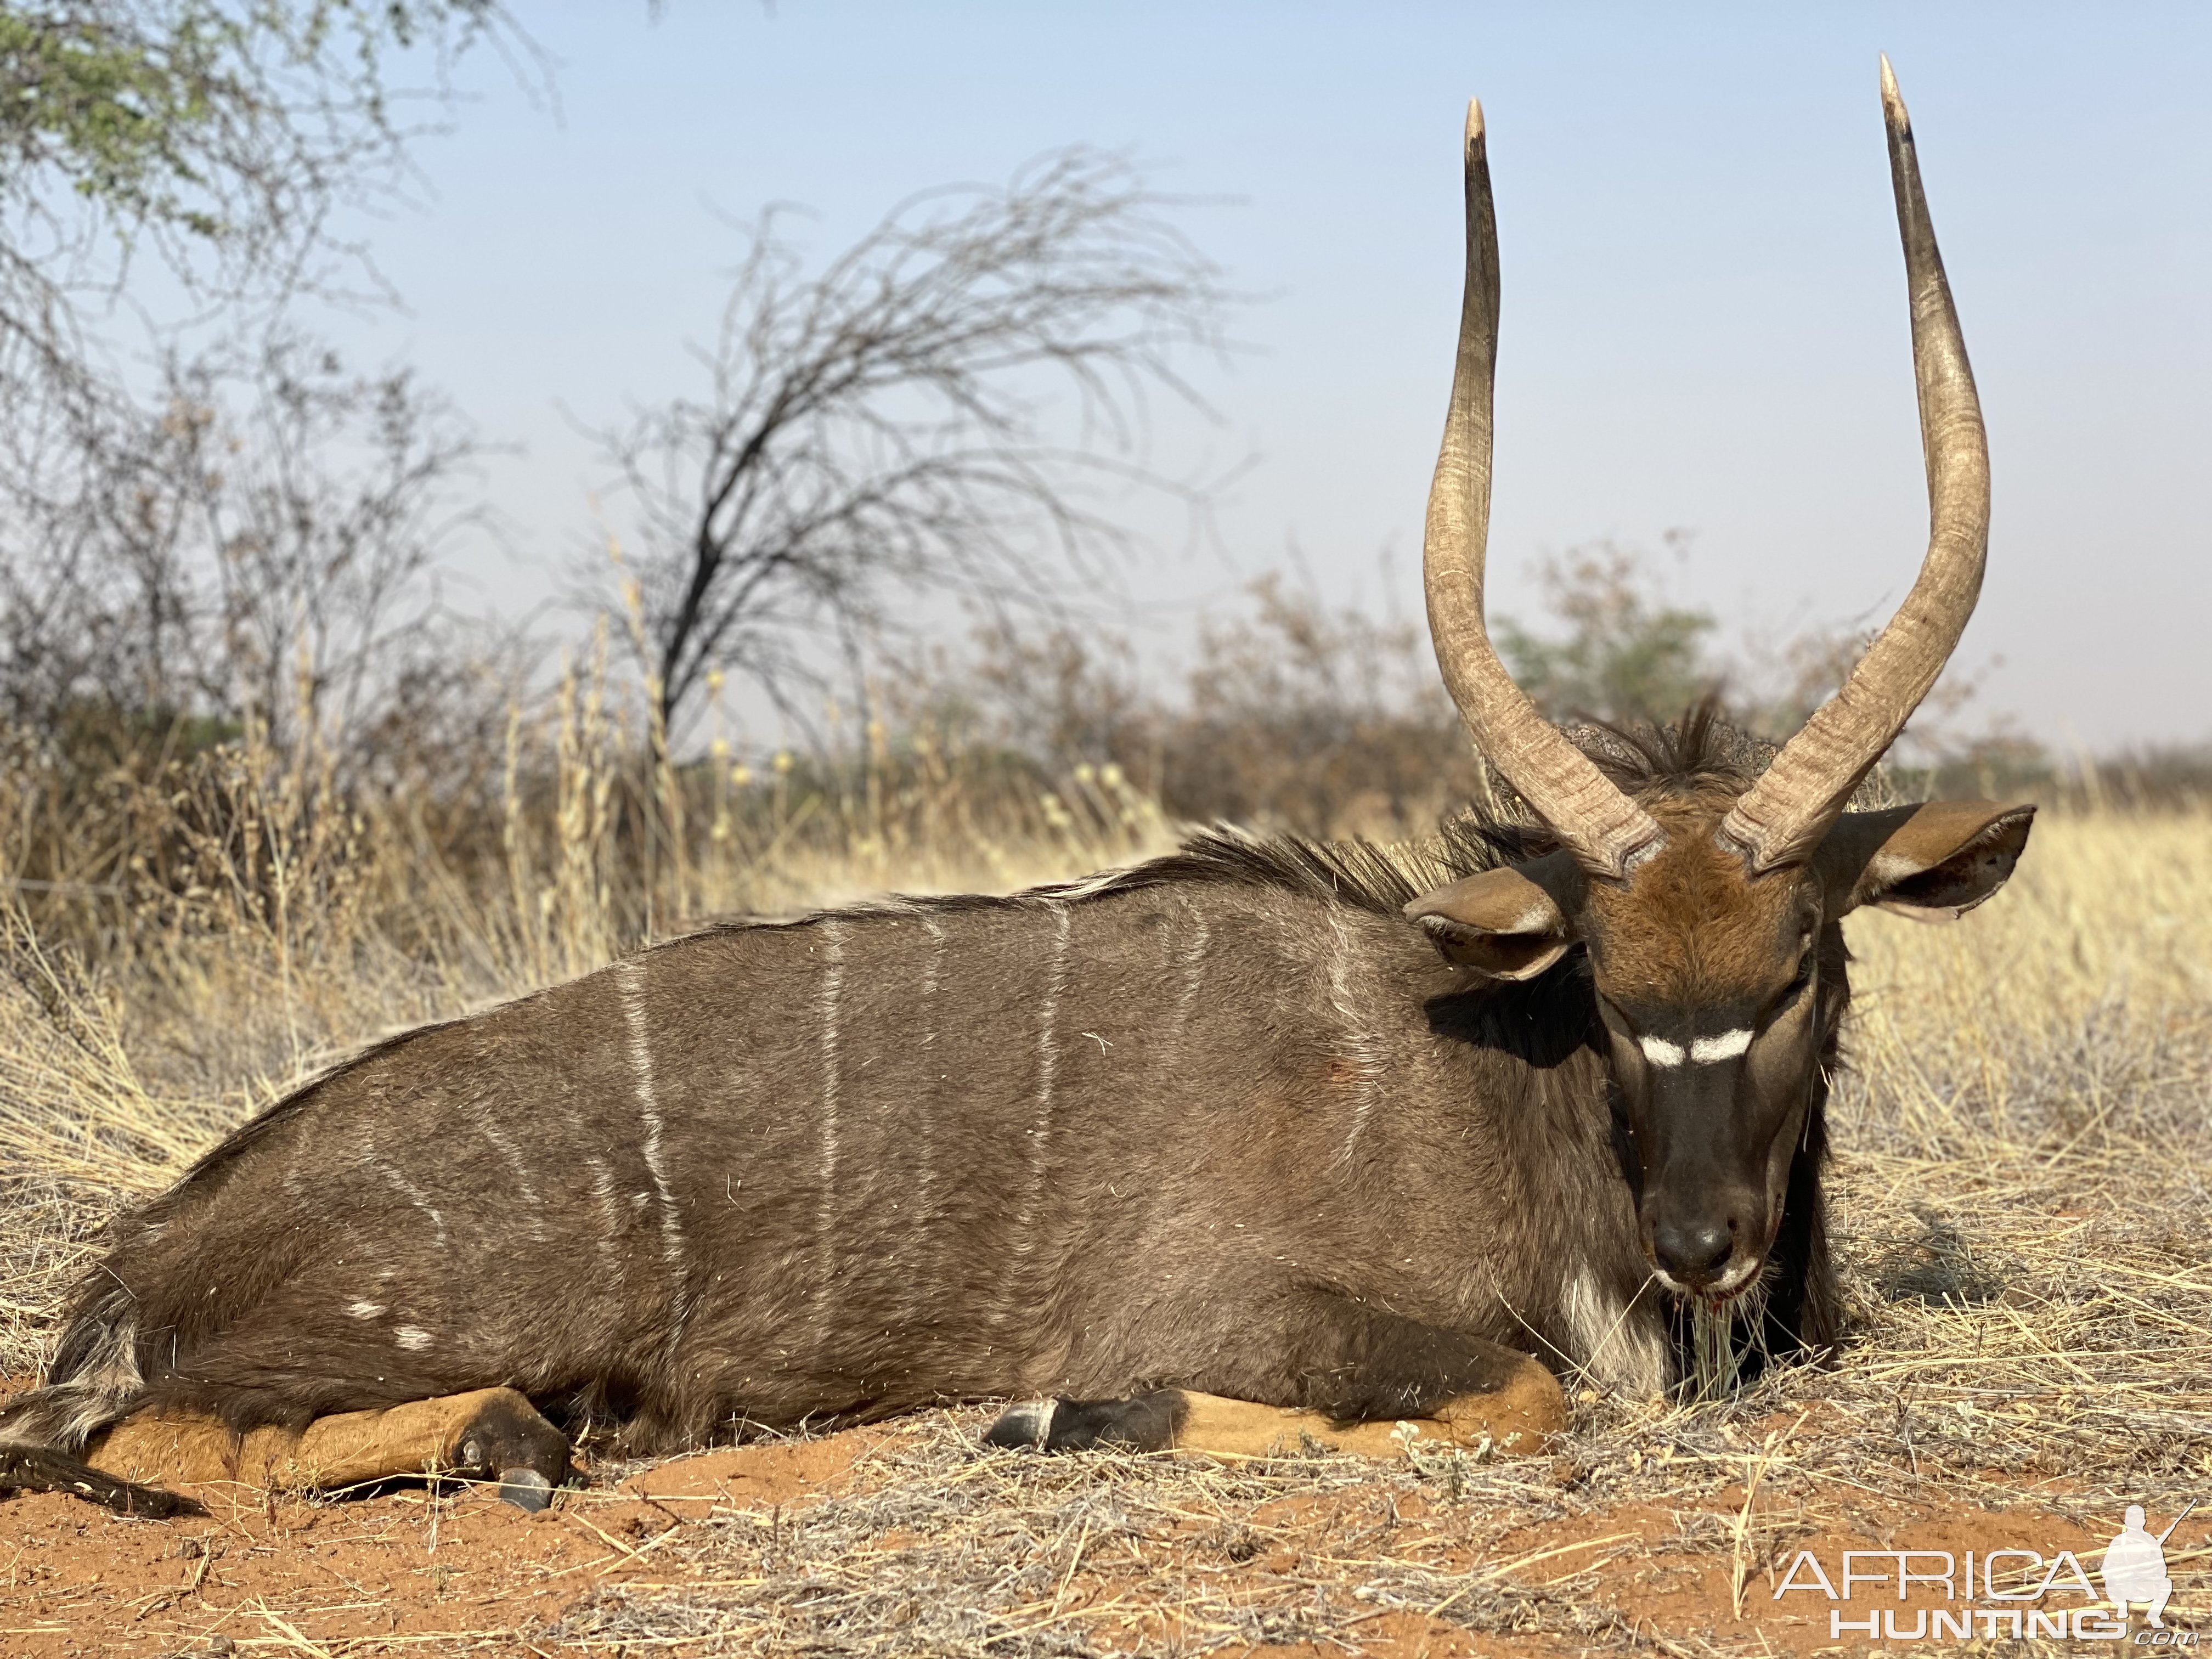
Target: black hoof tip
column 524, row 1488
column 1144, row 1423
column 1025, row 1427
column 510, row 1440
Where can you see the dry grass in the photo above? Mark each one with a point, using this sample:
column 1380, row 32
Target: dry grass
column 2026, row 1148
column 2020, row 1192
column 946, row 1549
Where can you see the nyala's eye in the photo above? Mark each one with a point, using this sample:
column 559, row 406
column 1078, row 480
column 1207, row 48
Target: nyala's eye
column 1786, row 998
column 1804, row 977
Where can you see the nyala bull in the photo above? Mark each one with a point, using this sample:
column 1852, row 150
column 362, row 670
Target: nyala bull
column 1369, row 1135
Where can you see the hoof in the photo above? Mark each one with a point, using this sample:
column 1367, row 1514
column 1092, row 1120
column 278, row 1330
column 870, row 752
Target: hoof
column 1025, row 1427
column 525, row 1489
column 508, row 1439
column 1144, row 1422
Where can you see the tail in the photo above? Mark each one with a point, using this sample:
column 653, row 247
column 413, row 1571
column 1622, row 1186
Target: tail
column 38, row 1469
column 93, row 1382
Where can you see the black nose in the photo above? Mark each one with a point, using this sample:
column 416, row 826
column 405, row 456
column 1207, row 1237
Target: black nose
column 1693, row 1253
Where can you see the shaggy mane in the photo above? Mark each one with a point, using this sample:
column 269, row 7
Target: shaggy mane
column 1364, row 874
column 1700, row 754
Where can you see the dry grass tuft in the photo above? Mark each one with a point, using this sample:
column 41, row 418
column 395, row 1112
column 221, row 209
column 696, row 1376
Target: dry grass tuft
column 950, row 1549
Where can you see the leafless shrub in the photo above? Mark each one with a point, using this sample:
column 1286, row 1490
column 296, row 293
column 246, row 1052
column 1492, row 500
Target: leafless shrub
column 225, row 580
column 879, row 431
column 211, row 560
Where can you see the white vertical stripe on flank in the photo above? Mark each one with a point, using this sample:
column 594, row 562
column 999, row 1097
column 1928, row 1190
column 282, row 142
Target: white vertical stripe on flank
column 1048, row 1074
column 610, row 1216
column 630, row 979
column 833, row 991
column 1188, row 938
column 416, row 1196
column 1357, row 1045
column 932, row 971
column 505, row 1147
column 918, row 1141
column 1194, row 973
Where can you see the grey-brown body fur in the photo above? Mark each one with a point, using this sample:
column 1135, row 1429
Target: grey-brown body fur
column 1224, row 1121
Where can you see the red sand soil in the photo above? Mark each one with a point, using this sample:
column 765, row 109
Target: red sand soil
column 396, row 1574
column 392, row 1573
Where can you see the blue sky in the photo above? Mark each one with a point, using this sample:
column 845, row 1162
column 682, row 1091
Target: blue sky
column 1704, row 322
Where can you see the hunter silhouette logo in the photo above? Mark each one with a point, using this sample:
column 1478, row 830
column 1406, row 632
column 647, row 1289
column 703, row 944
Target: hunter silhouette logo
column 2015, row 1593
column 2135, row 1565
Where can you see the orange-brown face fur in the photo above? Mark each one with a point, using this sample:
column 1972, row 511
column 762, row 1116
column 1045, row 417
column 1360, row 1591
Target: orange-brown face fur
column 1690, row 926
column 1707, row 982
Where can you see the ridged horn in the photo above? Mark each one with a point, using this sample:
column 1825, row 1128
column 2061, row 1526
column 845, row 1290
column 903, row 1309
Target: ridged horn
column 1600, row 826
column 1781, row 819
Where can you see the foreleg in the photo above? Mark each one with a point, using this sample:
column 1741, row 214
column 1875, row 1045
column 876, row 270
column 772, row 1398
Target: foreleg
column 491, row 1433
column 1341, row 1374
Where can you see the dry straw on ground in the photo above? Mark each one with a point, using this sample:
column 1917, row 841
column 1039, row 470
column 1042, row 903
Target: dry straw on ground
column 2020, row 1195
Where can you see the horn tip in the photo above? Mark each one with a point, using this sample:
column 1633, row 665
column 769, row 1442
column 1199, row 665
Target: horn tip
column 1892, row 101
column 1474, row 119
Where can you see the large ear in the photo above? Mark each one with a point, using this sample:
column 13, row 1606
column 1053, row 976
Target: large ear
column 1511, row 923
column 1931, row 863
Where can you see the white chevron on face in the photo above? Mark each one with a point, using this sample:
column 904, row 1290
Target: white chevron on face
column 1703, row 1052
column 1727, row 1046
